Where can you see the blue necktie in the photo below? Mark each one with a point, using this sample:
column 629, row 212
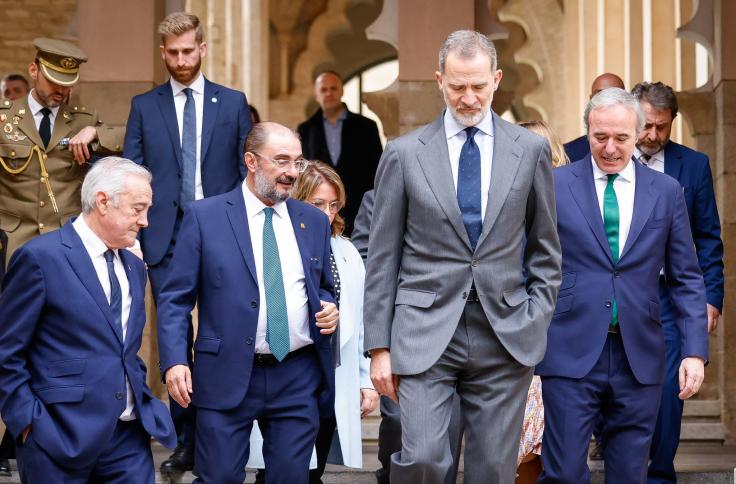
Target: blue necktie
column 188, row 150
column 277, row 319
column 116, row 297
column 610, row 222
column 468, row 187
column 44, row 129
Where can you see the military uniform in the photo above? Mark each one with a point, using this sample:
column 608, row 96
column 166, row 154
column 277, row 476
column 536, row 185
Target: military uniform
column 40, row 186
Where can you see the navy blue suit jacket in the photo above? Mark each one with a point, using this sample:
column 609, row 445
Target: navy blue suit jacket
column 62, row 362
column 152, row 139
column 219, row 274
column 691, row 169
column 659, row 236
column 577, row 148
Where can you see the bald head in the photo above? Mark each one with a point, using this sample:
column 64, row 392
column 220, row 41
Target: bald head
column 261, row 132
column 605, row 81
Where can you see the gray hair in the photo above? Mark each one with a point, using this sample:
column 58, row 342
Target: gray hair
column 466, row 44
column 659, row 95
column 614, row 96
column 109, row 175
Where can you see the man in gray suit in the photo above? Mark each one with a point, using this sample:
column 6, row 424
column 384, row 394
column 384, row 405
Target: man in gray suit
column 462, row 282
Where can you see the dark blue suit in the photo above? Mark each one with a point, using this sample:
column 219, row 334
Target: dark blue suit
column 578, row 148
column 229, row 389
column 152, row 139
column 63, row 362
column 692, row 170
column 587, row 370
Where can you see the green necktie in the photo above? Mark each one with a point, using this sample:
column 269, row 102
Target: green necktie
column 610, row 222
column 277, row 319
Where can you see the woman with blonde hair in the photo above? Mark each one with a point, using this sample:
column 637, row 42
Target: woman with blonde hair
column 530, row 446
column 339, row 438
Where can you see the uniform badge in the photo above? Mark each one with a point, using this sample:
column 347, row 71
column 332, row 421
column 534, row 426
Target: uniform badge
column 67, row 115
column 16, row 120
column 3, row 118
column 19, row 137
column 21, row 111
column 8, row 128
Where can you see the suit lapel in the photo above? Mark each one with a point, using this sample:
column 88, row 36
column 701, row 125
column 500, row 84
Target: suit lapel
column 505, row 165
column 644, row 199
column 27, row 124
column 168, row 112
column 296, row 214
column 135, row 291
column 81, row 263
column 434, row 160
column 62, row 125
column 672, row 161
column 582, row 190
column 238, row 217
column 210, row 109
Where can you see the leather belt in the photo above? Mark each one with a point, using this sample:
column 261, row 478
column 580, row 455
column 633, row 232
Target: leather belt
column 267, row 359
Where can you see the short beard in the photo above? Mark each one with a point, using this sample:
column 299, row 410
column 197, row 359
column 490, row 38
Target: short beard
column 267, row 188
column 466, row 120
column 648, row 151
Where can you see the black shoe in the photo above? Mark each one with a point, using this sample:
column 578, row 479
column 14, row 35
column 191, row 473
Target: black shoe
column 5, row 468
column 596, row 453
column 181, row 460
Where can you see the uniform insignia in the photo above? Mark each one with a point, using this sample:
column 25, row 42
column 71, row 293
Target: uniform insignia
column 21, row 111
column 69, row 63
column 16, row 120
column 8, row 128
column 67, row 115
column 3, row 118
column 19, row 137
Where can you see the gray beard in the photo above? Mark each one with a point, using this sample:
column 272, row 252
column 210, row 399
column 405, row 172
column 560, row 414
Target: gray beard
column 267, row 189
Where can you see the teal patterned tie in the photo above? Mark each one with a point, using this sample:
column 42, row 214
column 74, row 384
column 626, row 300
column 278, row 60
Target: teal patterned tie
column 610, row 222
column 277, row 326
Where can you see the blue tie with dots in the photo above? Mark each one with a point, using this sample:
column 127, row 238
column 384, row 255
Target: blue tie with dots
column 277, row 318
column 188, row 150
column 468, row 186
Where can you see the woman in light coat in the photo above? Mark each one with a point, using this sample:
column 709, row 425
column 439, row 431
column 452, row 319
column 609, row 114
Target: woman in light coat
column 355, row 397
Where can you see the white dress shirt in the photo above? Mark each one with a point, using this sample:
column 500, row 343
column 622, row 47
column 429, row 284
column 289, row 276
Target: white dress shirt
column 96, row 249
column 624, row 186
column 656, row 161
column 180, row 98
column 484, row 139
column 292, row 270
column 36, row 108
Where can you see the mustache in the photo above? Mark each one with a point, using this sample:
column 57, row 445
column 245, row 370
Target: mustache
column 286, row 179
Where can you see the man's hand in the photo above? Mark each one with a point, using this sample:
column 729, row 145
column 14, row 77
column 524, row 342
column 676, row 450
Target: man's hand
column 179, row 384
column 385, row 382
column 327, row 318
column 692, row 372
column 713, row 315
column 78, row 144
column 25, row 432
column 368, row 401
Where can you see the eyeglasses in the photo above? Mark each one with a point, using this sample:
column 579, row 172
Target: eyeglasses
column 322, row 205
column 300, row 164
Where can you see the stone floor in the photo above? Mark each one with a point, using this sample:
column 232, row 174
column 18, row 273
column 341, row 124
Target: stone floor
column 696, row 464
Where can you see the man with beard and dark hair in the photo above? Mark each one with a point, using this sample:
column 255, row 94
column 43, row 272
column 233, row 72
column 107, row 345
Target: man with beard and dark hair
column 655, row 149
column 190, row 133
column 266, row 307
column 580, row 147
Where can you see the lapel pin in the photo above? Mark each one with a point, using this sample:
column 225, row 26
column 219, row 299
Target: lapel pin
column 21, row 111
column 301, row 225
column 3, row 117
column 214, row 99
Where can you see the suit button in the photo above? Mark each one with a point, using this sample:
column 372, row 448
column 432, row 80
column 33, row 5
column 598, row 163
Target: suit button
column 41, row 204
column 474, row 263
column 608, row 304
column 249, row 340
column 175, row 204
column 253, row 304
column 465, row 295
column 617, row 274
column 119, row 395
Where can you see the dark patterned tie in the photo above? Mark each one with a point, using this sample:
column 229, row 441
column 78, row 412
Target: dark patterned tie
column 610, row 222
column 44, row 128
column 468, row 186
column 116, row 296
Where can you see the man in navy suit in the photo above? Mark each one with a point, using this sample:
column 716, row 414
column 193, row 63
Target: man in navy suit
column 265, row 295
column 620, row 223
column 189, row 132
column 655, row 149
column 72, row 312
column 579, row 147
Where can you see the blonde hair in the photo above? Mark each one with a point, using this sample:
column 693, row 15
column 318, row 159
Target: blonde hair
column 559, row 157
column 316, row 174
column 178, row 23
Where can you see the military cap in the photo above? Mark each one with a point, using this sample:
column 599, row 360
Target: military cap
column 59, row 60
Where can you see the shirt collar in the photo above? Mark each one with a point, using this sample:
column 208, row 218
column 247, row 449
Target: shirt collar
column 452, row 127
column 92, row 242
column 35, row 106
column 197, row 85
column 658, row 156
column 343, row 115
column 627, row 174
column 254, row 206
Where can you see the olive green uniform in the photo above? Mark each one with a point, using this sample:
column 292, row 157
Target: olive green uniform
column 26, row 206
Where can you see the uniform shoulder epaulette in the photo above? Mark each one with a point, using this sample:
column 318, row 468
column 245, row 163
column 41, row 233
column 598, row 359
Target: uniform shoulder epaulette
column 6, row 104
column 81, row 110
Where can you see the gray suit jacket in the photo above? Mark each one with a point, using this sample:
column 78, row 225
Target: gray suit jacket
column 420, row 263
